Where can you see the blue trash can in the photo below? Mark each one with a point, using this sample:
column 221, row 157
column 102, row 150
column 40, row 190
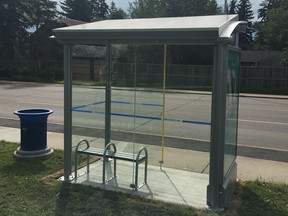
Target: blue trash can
column 33, row 125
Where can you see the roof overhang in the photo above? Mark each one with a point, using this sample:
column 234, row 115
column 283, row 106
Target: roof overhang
column 196, row 29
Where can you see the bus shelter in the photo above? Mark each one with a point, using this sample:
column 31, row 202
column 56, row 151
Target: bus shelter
column 144, row 101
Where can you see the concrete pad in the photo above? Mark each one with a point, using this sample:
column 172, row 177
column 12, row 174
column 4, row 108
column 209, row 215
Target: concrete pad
column 55, row 140
column 182, row 159
column 10, row 134
column 169, row 185
column 264, row 170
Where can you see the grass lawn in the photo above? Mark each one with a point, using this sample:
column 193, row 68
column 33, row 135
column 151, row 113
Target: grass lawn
column 30, row 187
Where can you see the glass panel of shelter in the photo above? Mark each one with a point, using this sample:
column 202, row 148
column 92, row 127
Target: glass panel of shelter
column 232, row 101
column 139, row 98
column 88, row 95
column 136, row 103
column 188, row 106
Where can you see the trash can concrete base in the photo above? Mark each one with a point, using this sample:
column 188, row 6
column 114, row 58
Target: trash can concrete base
column 39, row 154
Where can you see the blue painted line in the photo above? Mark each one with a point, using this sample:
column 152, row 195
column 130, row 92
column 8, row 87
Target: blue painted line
column 148, row 104
column 83, row 111
column 188, row 121
column 82, row 106
column 196, row 122
column 142, row 104
column 96, row 103
column 145, row 117
column 118, row 102
column 136, row 116
column 79, row 107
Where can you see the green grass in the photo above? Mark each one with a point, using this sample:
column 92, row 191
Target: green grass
column 264, row 199
column 30, row 187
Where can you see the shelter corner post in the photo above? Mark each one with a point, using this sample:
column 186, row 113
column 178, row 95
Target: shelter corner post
column 108, row 90
column 67, row 112
column 214, row 189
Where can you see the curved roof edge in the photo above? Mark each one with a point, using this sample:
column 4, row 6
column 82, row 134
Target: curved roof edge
column 232, row 26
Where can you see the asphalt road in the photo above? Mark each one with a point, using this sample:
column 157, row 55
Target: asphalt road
column 263, row 122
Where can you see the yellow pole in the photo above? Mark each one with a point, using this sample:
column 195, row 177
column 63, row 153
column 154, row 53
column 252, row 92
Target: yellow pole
column 163, row 103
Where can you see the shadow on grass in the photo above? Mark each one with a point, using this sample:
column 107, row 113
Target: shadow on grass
column 13, row 167
column 264, row 199
column 25, row 168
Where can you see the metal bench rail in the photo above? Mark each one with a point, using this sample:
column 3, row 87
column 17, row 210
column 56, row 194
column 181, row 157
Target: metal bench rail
column 110, row 151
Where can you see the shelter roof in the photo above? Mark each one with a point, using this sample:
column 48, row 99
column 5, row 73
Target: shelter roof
column 176, row 29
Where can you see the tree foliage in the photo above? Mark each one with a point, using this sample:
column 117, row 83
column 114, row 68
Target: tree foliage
column 13, row 27
column 43, row 10
column 16, row 17
column 100, row 9
column 265, row 6
column 146, row 9
column 272, row 29
column 85, row 10
column 116, row 13
column 244, row 10
column 232, row 7
column 172, row 8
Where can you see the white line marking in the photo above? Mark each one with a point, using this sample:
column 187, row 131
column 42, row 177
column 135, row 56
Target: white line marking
column 261, row 147
column 264, row 122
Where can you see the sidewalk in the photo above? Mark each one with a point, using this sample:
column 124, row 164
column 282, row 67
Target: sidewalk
column 248, row 168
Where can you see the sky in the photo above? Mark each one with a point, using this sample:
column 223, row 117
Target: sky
column 124, row 4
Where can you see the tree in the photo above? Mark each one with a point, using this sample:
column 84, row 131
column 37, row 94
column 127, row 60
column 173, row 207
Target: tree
column 146, row 9
column 116, row 13
column 14, row 22
column 191, row 7
column 265, row 6
column 244, row 10
column 272, row 28
column 100, row 9
column 232, row 7
column 172, row 8
column 43, row 10
column 77, row 9
column 213, row 8
column 41, row 46
column 85, row 10
column 275, row 29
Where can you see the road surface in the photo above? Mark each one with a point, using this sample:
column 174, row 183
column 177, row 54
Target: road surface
column 263, row 122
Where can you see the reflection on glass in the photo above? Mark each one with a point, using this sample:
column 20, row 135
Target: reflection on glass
column 88, row 94
column 138, row 101
column 232, row 101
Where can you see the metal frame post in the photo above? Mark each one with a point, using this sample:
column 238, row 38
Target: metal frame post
column 67, row 112
column 214, row 190
column 108, row 95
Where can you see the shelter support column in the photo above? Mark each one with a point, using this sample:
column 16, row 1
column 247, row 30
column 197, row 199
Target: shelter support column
column 163, row 105
column 108, row 95
column 215, row 189
column 67, row 112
